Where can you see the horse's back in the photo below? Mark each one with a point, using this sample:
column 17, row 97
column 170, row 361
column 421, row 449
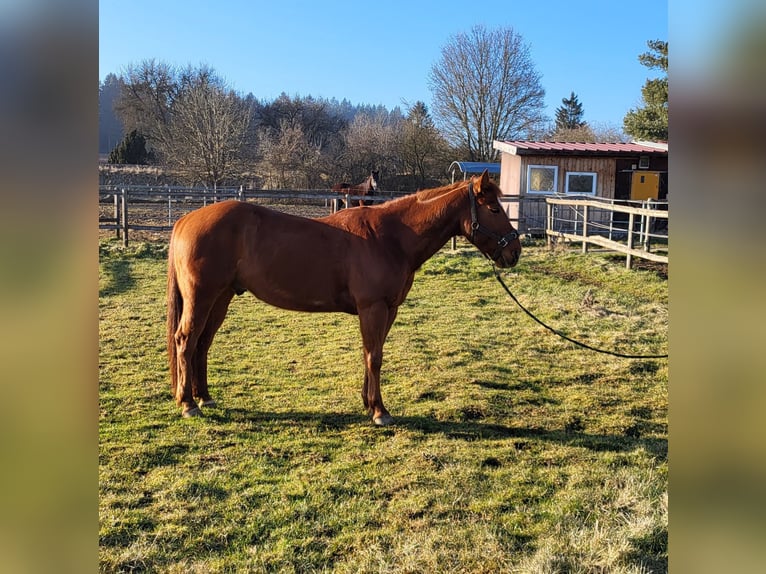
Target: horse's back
column 211, row 215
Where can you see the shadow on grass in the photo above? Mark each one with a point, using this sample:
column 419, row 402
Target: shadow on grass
column 119, row 279
column 472, row 431
column 330, row 420
column 458, row 430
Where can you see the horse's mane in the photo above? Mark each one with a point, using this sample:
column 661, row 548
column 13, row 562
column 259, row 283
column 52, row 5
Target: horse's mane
column 426, row 195
column 421, row 197
column 429, row 194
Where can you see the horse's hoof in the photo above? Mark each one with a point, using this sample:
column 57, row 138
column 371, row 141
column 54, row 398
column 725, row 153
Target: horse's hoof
column 194, row 412
column 383, row 420
column 209, row 403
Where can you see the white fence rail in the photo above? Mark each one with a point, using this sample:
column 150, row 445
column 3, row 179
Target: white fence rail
column 635, row 230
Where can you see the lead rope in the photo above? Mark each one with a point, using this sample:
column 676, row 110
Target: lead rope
column 562, row 335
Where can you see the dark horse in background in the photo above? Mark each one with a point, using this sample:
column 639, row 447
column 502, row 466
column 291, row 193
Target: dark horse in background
column 368, row 187
column 360, row 261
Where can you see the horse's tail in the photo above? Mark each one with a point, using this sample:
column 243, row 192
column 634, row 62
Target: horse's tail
column 175, row 307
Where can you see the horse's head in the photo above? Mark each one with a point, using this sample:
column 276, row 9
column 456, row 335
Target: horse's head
column 374, row 180
column 489, row 228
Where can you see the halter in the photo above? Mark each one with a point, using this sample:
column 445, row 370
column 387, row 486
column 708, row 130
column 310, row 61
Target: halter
column 502, row 240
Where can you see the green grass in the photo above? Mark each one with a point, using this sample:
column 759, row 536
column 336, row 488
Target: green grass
column 512, row 451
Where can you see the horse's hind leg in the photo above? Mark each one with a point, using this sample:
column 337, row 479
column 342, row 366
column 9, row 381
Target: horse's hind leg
column 190, row 328
column 214, row 321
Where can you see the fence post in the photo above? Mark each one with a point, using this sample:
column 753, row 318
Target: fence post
column 629, row 256
column 585, row 229
column 641, row 224
column 648, row 230
column 124, row 216
column 117, row 214
column 548, row 223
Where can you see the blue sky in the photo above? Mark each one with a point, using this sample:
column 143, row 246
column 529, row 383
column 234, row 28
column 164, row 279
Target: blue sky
column 381, row 52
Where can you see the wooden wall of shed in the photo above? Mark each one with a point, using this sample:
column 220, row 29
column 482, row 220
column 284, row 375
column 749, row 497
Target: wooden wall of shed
column 509, row 183
column 530, row 217
column 604, row 167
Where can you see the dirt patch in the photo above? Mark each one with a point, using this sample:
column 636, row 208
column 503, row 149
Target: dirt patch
column 661, row 269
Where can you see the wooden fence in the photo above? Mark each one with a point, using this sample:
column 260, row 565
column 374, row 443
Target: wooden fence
column 635, row 230
column 125, row 208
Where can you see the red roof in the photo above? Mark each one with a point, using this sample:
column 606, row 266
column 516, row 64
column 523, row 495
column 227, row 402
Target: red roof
column 532, row 147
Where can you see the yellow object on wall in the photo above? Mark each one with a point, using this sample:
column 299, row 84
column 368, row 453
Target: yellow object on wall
column 645, row 185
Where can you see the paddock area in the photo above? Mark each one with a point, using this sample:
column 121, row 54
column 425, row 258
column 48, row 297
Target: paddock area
column 512, row 450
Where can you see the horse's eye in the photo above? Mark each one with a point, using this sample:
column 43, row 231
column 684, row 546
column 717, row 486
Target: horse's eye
column 494, row 209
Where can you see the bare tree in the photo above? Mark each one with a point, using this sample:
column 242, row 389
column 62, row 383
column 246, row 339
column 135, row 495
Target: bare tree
column 485, row 87
column 289, row 159
column 583, row 133
column 608, row 132
column 372, row 143
column 146, row 101
column 590, row 132
column 189, row 118
column 208, row 128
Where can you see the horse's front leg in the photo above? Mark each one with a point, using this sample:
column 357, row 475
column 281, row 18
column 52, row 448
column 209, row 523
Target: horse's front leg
column 375, row 322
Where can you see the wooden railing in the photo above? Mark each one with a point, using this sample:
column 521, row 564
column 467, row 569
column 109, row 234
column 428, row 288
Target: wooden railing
column 125, row 208
column 638, row 230
column 641, row 230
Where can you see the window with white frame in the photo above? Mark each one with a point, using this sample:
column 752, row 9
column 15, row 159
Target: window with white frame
column 542, row 178
column 581, row 183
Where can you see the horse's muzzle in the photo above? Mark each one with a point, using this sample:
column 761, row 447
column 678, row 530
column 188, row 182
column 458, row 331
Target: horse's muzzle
column 508, row 258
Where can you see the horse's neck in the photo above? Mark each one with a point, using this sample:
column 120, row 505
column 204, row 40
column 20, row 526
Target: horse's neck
column 434, row 221
column 364, row 186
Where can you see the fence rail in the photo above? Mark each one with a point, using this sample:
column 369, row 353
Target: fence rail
column 635, row 230
column 126, row 208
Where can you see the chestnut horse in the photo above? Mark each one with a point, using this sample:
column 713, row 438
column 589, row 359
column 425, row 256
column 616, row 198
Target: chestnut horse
column 368, row 187
column 360, row 261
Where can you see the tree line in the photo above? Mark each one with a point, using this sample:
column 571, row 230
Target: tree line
column 191, row 121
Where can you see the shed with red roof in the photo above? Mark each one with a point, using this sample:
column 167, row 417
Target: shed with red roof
column 621, row 171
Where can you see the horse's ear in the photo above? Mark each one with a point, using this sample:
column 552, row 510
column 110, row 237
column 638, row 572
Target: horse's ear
column 483, row 180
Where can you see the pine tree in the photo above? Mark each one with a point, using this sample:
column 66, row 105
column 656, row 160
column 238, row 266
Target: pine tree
column 131, row 150
column 569, row 116
column 650, row 122
column 419, row 115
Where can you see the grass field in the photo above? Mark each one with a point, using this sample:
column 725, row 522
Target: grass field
column 513, row 450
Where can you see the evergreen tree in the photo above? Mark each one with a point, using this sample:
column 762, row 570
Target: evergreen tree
column 569, row 116
column 650, row 122
column 421, row 148
column 131, row 150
